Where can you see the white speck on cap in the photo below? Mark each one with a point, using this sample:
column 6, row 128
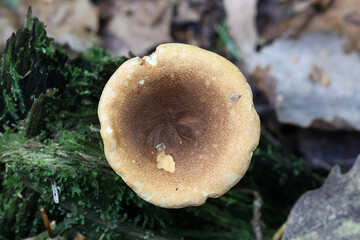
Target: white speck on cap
column 108, row 129
column 104, row 117
column 152, row 59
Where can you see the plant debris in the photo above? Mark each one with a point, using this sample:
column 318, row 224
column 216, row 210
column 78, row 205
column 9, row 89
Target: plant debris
column 317, row 75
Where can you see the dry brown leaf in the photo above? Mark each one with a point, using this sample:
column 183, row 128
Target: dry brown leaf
column 138, row 25
column 241, row 19
column 71, row 22
column 304, row 16
column 338, row 15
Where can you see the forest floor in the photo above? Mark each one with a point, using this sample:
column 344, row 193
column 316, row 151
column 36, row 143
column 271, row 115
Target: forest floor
column 301, row 58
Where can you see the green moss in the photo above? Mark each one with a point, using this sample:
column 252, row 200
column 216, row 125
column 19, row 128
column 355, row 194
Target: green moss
column 28, row 66
column 75, row 161
column 80, row 176
column 32, row 70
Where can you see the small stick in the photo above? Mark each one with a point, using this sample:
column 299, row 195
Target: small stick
column 279, row 232
column 255, row 222
column 46, row 222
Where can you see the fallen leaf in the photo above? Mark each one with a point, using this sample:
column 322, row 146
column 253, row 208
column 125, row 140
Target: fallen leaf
column 304, row 16
column 241, row 16
column 341, row 16
column 138, row 26
column 296, row 99
column 331, row 212
column 71, row 22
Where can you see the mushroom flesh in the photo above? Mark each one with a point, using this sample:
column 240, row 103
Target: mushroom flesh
column 178, row 126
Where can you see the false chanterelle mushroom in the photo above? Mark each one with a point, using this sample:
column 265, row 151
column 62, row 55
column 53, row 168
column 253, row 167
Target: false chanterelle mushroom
column 178, row 126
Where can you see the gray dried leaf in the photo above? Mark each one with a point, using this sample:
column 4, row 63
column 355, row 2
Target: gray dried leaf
column 299, row 100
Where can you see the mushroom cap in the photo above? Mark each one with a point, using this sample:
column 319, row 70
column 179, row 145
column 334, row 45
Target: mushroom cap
column 195, row 103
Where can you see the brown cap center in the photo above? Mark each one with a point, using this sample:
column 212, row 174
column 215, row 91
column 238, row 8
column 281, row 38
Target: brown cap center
column 175, row 114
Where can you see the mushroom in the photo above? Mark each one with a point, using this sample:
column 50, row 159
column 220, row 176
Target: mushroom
column 178, row 126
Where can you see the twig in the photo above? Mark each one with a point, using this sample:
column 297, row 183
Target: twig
column 255, row 222
column 279, row 232
column 46, row 222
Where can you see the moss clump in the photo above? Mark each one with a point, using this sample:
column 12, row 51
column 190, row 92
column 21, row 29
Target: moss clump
column 33, row 70
column 75, row 161
column 29, row 66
